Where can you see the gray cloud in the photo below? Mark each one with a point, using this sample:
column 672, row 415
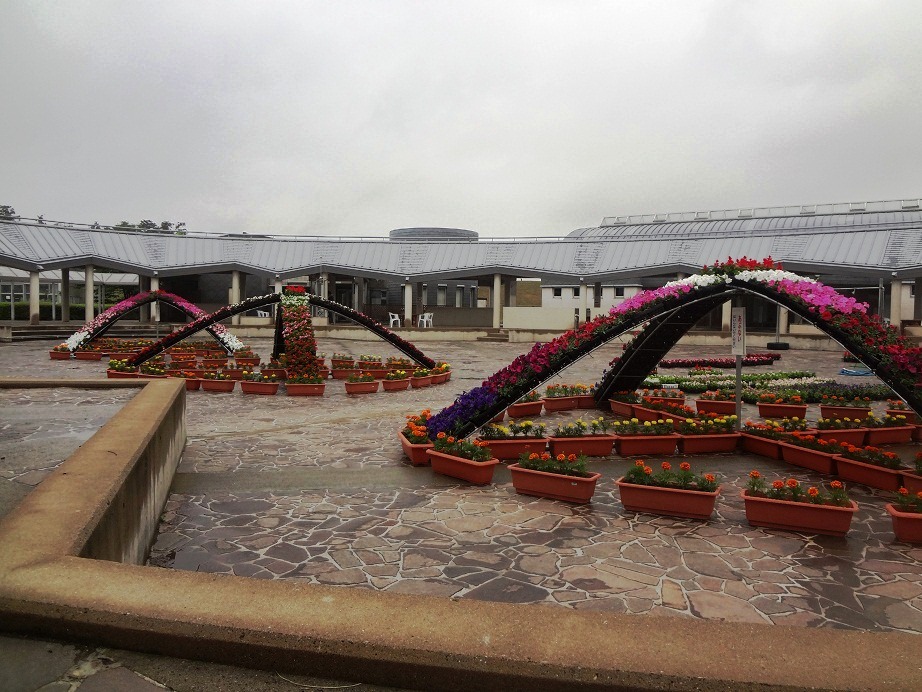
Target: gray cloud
column 514, row 118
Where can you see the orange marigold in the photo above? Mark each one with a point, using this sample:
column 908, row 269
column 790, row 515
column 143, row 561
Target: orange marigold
column 685, row 466
column 792, row 483
column 778, row 485
column 813, row 491
column 836, row 485
column 755, row 474
column 666, row 466
column 441, row 436
column 647, row 470
column 903, row 491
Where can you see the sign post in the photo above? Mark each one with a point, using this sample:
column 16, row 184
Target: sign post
column 738, row 348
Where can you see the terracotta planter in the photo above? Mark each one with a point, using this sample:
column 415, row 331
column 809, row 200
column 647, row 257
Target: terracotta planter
column 590, row 445
column 264, row 388
column 218, row 385
column 476, row 472
column 854, row 436
column 798, row 516
column 678, row 400
column 440, row 378
column 642, row 414
column 395, row 385
column 722, row 407
column 870, row 475
column 907, row 526
column 323, row 372
column 416, row 452
column 419, row 382
column 912, row 418
column 901, row 434
column 586, row 401
column 525, row 409
column 280, row 373
column 783, row 410
column 121, row 355
column 87, row 355
column 342, row 364
column 59, row 355
column 511, row 449
column 498, row 418
column 233, row 373
column 853, row 412
column 119, row 375
column 621, row 408
column 705, row 444
column 559, row 403
column 192, row 385
column 214, row 362
column 821, row 462
column 917, row 434
column 295, row 389
column 673, row 502
column 763, row 446
column 640, row 445
column 912, row 482
column 553, row 485
column 362, row 387
column 378, row 373
column 247, row 362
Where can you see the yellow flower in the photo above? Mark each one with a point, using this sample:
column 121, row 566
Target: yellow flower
column 646, row 424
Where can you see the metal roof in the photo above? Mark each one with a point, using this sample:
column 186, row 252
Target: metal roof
column 876, row 244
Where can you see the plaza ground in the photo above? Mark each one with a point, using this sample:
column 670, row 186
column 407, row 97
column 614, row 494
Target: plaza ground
column 317, row 490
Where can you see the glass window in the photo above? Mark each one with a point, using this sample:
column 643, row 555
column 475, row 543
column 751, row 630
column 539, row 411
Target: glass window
column 619, row 291
column 558, row 292
column 576, row 291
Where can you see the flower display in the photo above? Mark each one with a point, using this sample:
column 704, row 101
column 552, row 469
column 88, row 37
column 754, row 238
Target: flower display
column 562, row 464
column 872, row 455
column 513, row 430
column 716, row 425
column 683, row 479
column 793, row 491
column 416, row 430
column 360, row 376
column 907, row 502
column 636, row 427
column 579, row 428
column 298, row 334
column 752, row 359
column 397, row 375
column 717, row 395
column 461, row 447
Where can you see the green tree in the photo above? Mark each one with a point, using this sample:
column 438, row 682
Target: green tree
column 7, row 212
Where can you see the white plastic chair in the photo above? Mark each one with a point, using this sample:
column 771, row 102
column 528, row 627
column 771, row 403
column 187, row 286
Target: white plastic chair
column 425, row 320
column 395, row 319
column 262, row 313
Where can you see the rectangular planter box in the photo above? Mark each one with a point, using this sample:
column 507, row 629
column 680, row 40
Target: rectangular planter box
column 870, row 475
column 708, row 406
column 586, row 401
column 553, row 485
column 704, row 444
column 907, row 526
column 416, row 452
column 559, row 403
column 621, row 408
column 511, row 449
column 476, row 472
column 799, row 516
column 218, row 385
column 783, row 410
column 673, row 502
column 646, row 445
column 590, row 445
column 525, row 409
column 901, row 434
column 853, row 412
column 763, row 446
column 821, row 462
column 912, row 482
column 855, row 436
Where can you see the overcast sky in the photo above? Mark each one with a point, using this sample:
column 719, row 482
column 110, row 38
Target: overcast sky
column 508, row 118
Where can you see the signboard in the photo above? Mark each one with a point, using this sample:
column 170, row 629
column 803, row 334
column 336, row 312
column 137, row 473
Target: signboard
column 738, row 331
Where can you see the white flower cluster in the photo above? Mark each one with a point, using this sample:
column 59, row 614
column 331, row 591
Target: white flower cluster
column 699, row 281
column 76, row 340
column 293, row 300
column 766, row 275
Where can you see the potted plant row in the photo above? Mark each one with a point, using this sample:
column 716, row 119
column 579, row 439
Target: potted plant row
column 361, row 382
column 781, row 404
column 514, row 439
column 581, row 437
column 256, row 382
column 396, row 381
column 716, row 401
column 637, row 438
column 679, row 493
column 561, row 477
column 843, row 407
column 708, row 435
column 305, row 385
column 787, row 505
column 870, row 466
column 216, row 382
column 466, row 460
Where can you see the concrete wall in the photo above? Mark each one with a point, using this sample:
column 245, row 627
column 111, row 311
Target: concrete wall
column 538, row 318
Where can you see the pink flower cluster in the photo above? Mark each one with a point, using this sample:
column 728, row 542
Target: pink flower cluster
column 820, row 296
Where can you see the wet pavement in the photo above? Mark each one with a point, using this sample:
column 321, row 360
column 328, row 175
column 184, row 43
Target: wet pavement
column 318, row 490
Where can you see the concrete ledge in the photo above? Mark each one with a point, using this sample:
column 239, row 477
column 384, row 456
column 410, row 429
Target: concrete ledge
column 47, row 589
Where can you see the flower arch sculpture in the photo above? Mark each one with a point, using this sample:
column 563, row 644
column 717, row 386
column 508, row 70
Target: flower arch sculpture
column 668, row 313
column 98, row 326
column 294, row 299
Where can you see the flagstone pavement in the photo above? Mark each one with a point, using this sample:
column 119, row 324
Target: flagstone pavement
column 317, row 490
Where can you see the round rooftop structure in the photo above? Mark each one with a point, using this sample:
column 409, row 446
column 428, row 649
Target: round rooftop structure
column 433, row 234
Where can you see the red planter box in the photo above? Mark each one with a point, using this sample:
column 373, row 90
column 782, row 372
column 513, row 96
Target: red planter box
column 649, row 445
column 264, row 388
column 560, row 403
column 476, row 472
column 821, row 462
column 87, row 355
column 590, row 445
column 417, row 382
column 912, row 418
column 193, row 385
column 416, row 452
column 901, row 434
column 870, row 475
column 362, row 387
column 912, row 482
column 222, row 386
column 553, row 485
column 855, row 436
column 395, row 385
column 59, row 355
column 798, row 516
column 621, row 408
column 119, row 375
column 853, row 412
column 673, row 502
column 295, row 389
column 586, row 401
column 783, row 410
column 704, row 444
column 525, row 409
column 708, row 406
column 763, row 446
column 907, row 526
column 511, row 449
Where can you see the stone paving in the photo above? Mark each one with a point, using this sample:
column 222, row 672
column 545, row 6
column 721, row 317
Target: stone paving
column 384, row 526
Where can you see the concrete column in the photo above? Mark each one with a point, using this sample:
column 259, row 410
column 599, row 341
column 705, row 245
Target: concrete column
column 278, row 289
column 583, row 300
column 358, row 294
column 33, row 298
column 511, row 290
column 597, row 294
column 783, row 321
column 89, row 294
column 896, row 303
column 155, row 306
column 408, row 304
column 65, row 295
column 496, row 300
column 235, row 294
column 917, row 301
column 144, row 310
column 725, row 314
column 325, row 285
